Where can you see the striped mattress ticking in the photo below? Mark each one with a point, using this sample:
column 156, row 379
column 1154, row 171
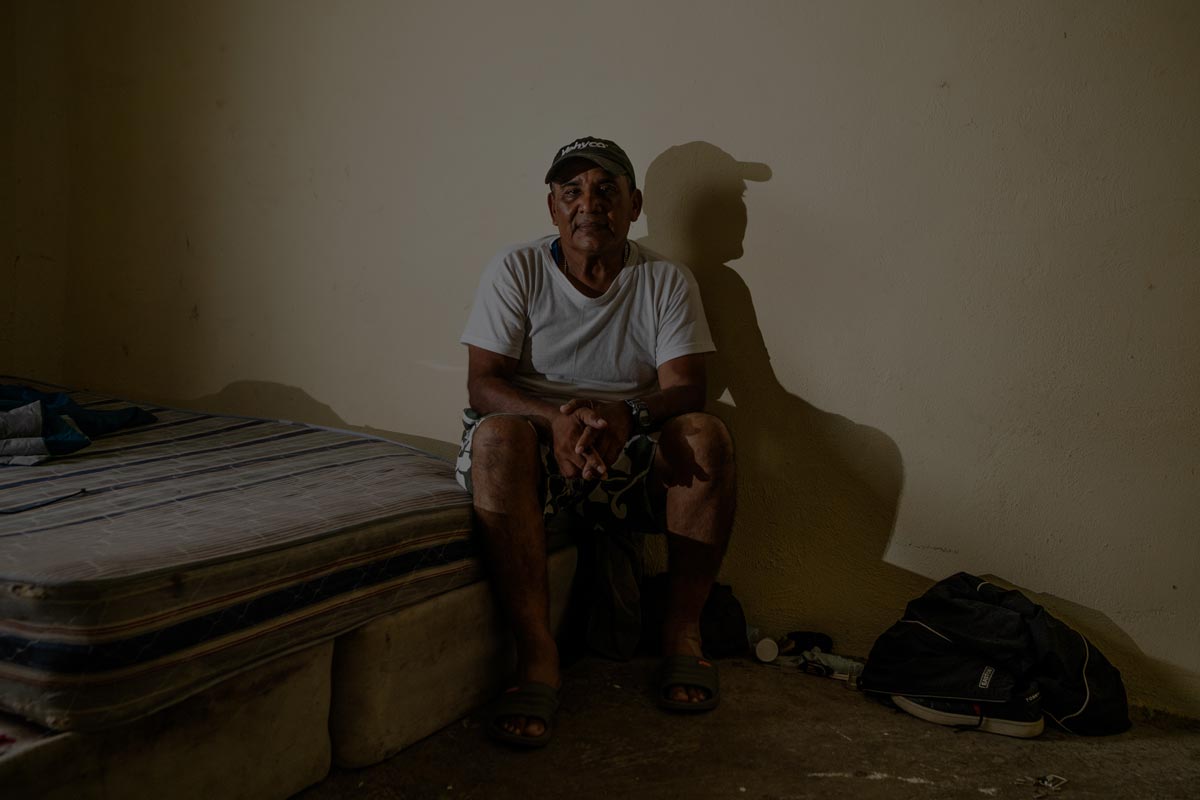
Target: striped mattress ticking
column 164, row 558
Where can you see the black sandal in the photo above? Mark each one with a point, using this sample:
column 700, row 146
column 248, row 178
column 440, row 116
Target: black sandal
column 532, row 699
column 688, row 671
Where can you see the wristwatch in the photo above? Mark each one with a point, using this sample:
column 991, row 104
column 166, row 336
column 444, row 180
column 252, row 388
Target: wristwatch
column 641, row 414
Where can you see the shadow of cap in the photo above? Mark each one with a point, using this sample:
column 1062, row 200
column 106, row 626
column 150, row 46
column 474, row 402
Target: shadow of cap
column 694, row 203
column 701, row 163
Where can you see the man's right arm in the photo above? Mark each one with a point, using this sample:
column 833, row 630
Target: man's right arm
column 490, row 389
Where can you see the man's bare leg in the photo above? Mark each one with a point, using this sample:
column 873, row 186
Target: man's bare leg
column 694, row 467
column 506, row 473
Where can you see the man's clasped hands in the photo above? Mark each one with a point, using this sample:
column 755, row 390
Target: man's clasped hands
column 588, row 437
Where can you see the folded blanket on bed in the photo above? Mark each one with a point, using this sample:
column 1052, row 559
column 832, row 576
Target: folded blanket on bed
column 30, row 434
column 35, row 425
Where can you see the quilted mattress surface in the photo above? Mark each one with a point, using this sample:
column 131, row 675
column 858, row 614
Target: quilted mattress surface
column 164, row 558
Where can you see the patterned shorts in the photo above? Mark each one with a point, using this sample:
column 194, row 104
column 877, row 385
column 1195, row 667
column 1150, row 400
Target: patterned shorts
column 620, row 499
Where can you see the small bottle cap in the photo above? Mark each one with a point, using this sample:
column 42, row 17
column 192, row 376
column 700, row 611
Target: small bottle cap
column 766, row 650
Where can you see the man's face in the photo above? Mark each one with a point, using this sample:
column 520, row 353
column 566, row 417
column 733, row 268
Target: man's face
column 592, row 208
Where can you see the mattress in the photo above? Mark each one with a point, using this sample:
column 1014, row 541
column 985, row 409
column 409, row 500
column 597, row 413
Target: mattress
column 162, row 559
column 262, row 734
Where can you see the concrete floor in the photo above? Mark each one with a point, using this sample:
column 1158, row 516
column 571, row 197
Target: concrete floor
column 776, row 735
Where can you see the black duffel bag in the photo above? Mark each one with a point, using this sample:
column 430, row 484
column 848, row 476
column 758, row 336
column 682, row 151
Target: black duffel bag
column 968, row 639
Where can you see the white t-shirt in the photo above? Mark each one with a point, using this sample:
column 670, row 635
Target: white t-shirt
column 571, row 345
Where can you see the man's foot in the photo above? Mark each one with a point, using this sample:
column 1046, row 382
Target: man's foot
column 696, row 675
column 524, row 715
column 538, row 668
column 685, row 686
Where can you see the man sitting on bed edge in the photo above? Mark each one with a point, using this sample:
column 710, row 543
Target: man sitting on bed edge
column 586, row 381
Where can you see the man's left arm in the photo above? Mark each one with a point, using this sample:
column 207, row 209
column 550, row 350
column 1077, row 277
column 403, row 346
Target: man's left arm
column 682, row 385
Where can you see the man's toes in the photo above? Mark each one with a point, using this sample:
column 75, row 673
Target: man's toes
column 524, row 726
column 687, row 694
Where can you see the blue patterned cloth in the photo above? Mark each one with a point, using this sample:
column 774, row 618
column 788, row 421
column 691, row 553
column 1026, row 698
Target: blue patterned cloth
column 35, row 425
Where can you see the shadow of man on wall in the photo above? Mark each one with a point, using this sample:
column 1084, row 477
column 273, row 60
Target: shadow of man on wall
column 818, row 493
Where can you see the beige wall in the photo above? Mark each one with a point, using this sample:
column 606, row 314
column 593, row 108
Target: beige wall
column 33, row 263
column 956, row 304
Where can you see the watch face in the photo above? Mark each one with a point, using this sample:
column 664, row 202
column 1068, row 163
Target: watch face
column 641, row 414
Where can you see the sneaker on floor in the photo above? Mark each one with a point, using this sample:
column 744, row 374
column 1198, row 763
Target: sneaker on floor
column 1020, row 717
